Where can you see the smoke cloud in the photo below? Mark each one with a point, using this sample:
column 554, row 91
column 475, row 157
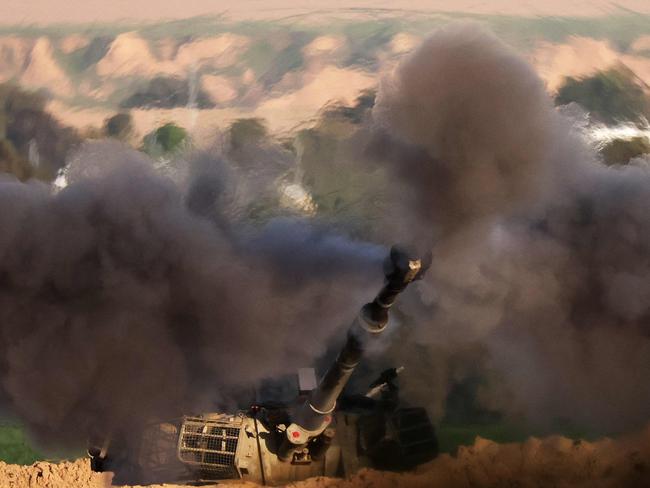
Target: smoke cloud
column 541, row 254
column 118, row 304
column 129, row 295
column 468, row 127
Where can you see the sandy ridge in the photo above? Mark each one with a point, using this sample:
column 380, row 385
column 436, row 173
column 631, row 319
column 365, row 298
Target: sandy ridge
column 553, row 461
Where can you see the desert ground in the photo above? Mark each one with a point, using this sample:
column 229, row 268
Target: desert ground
column 553, row 461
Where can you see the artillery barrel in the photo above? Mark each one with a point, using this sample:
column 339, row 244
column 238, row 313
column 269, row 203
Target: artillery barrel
column 313, row 417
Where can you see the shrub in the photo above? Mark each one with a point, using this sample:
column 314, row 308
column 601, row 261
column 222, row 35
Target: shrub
column 620, row 151
column 609, row 96
column 119, row 126
column 165, row 139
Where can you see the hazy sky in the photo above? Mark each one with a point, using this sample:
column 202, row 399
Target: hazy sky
column 47, row 11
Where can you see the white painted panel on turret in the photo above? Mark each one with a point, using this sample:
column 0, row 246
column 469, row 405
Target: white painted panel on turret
column 306, row 380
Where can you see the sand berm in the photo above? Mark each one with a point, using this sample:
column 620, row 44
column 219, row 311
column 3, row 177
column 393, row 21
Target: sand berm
column 550, row 462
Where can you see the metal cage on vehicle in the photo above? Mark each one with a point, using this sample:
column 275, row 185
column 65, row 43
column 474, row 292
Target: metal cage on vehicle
column 210, row 446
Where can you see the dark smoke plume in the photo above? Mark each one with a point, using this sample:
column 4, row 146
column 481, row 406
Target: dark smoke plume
column 541, row 254
column 118, row 304
column 127, row 296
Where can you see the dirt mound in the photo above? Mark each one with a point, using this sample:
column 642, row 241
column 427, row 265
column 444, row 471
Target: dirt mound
column 323, row 45
column 131, row 55
column 583, row 56
column 403, row 42
column 42, row 70
column 214, row 52
column 72, row 43
column 641, row 44
column 220, row 89
column 128, row 55
column 554, row 461
column 13, row 52
column 166, row 48
column 315, row 89
column 61, row 475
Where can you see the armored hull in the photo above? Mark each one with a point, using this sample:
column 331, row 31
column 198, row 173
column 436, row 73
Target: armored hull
column 217, row 447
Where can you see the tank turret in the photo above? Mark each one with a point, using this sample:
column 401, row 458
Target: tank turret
column 314, row 416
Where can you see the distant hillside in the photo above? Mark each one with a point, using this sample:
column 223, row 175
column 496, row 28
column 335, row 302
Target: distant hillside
column 205, row 71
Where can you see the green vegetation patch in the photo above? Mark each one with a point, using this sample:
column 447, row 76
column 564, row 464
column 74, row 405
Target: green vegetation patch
column 166, row 139
column 452, row 436
column 15, row 447
column 621, row 151
column 609, row 96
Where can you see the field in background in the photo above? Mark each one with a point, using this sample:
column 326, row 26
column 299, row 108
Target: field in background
column 283, row 70
column 620, row 28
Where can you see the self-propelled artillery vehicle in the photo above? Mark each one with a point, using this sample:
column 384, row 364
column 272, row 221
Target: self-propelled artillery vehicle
column 321, row 433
